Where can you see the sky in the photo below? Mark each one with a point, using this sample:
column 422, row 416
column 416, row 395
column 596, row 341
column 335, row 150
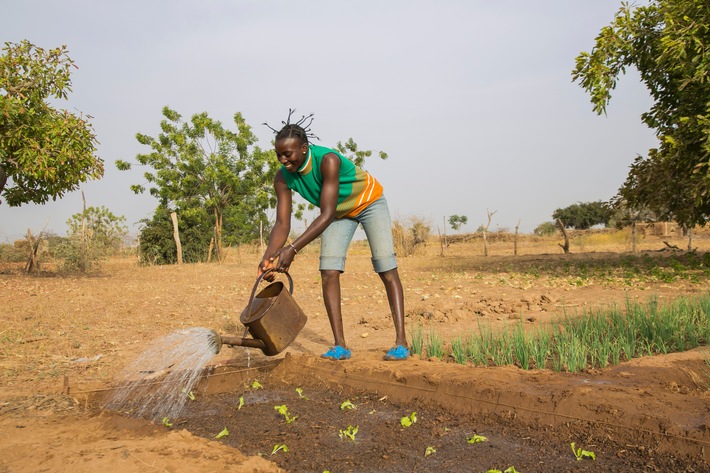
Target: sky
column 472, row 100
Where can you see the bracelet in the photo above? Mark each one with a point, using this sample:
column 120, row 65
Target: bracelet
column 295, row 251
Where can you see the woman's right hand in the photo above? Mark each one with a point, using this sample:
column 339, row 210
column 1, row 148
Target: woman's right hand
column 266, row 264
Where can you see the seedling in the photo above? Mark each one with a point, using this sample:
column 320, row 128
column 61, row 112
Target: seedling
column 475, row 438
column 510, row 469
column 350, row 432
column 407, row 421
column 429, row 451
column 283, row 410
column 190, row 395
column 582, row 454
column 300, row 393
column 167, row 422
column 347, row 405
column 278, row 448
column 241, row 402
column 256, row 385
column 223, row 433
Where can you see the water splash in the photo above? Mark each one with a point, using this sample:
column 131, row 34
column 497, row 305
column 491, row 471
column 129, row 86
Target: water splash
column 160, row 381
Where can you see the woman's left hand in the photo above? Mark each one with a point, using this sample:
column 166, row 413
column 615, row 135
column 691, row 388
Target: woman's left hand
column 286, row 256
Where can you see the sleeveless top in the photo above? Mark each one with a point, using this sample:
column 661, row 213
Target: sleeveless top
column 358, row 189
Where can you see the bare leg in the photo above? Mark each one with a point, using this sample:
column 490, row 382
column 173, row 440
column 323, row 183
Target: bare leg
column 395, row 297
column 331, row 297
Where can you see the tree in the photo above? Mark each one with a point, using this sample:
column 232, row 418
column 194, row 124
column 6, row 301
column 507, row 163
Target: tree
column 667, row 42
column 350, row 150
column 584, row 215
column 44, row 151
column 93, row 234
column 201, row 165
column 457, row 220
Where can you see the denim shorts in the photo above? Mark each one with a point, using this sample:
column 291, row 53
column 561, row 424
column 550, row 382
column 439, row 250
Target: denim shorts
column 376, row 222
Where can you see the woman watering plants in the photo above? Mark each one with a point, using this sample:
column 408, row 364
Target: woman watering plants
column 347, row 197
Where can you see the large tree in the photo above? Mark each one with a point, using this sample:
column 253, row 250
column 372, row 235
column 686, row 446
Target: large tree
column 668, row 42
column 44, row 151
column 584, row 215
column 201, row 164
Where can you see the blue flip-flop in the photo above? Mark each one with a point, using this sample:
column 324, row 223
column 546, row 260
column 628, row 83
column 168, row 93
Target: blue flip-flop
column 337, row 353
column 397, row 353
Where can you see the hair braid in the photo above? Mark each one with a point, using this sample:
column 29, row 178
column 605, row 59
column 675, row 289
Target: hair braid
column 299, row 130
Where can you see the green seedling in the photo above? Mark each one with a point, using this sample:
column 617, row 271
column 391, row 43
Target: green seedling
column 256, row 385
column 223, row 433
column 407, row 421
column 190, row 395
column 350, row 432
column 429, row 451
column 278, row 448
column 241, row 402
column 167, row 422
column 283, row 410
column 475, row 438
column 300, row 393
column 347, row 405
column 581, row 454
column 510, row 469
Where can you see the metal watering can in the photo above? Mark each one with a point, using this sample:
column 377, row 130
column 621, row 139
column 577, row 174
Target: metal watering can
column 272, row 317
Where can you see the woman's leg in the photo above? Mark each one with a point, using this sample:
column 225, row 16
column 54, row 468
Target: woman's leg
column 334, row 244
column 377, row 224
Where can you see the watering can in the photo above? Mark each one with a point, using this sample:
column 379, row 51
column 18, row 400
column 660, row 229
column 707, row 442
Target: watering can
column 272, row 317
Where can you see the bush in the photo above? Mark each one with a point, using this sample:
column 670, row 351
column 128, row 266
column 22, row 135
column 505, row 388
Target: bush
column 545, row 229
column 409, row 234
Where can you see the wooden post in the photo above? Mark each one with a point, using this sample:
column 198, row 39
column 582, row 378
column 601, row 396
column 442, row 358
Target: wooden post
column 515, row 240
column 82, row 263
column 176, row 236
column 633, row 237
column 485, row 231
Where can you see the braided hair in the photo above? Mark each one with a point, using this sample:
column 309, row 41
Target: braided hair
column 301, row 130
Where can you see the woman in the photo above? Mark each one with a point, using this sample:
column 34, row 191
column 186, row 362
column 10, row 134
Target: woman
column 347, row 197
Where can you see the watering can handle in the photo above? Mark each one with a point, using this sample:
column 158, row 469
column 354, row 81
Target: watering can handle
column 261, row 276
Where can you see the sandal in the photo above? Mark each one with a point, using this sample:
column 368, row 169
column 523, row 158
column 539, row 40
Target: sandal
column 337, row 353
column 397, row 353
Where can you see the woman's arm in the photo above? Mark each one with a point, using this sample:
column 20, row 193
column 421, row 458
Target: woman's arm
column 282, row 226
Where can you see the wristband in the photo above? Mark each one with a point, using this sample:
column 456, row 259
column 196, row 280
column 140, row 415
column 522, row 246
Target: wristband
column 295, row 251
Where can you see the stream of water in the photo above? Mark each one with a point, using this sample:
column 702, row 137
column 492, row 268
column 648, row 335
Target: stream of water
column 160, row 381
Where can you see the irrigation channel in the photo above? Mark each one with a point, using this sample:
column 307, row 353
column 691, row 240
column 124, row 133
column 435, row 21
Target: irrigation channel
column 307, row 414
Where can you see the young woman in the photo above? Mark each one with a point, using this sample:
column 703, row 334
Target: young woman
column 347, row 197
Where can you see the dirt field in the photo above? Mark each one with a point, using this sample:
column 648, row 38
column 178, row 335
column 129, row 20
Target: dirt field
column 64, row 338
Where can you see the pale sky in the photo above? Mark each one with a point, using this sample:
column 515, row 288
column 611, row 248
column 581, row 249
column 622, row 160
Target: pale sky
column 472, row 99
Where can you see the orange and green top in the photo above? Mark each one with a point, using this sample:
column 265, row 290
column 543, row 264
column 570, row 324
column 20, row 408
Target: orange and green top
column 358, row 188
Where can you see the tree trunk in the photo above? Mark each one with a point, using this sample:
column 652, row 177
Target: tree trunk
column 218, row 235
column 565, row 247
column 690, row 239
column 82, row 262
column 3, row 178
column 441, row 242
column 485, row 231
column 515, row 240
column 633, row 237
column 176, row 236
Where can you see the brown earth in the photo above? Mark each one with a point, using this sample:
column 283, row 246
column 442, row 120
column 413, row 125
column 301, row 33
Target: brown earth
column 64, row 339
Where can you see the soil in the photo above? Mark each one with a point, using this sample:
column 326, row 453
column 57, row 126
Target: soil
column 66, row 337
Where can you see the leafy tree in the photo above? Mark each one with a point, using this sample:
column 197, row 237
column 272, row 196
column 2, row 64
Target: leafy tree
column 667, row 42
column 350, row 150
column 201, row 165
column 456, row 221
column 93, row 234
column 44, row 151
column 584, row 215
column 545, row 229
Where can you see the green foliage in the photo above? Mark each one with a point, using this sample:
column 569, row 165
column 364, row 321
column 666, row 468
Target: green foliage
column 545, row 229
column 93, row 234
column 584, row 215
column 208, row 174
column 44, row 151
column 456, row 221
column 350, row 150
column 666, row 41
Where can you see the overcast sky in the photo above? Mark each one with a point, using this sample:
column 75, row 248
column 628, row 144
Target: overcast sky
column 473, row 100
